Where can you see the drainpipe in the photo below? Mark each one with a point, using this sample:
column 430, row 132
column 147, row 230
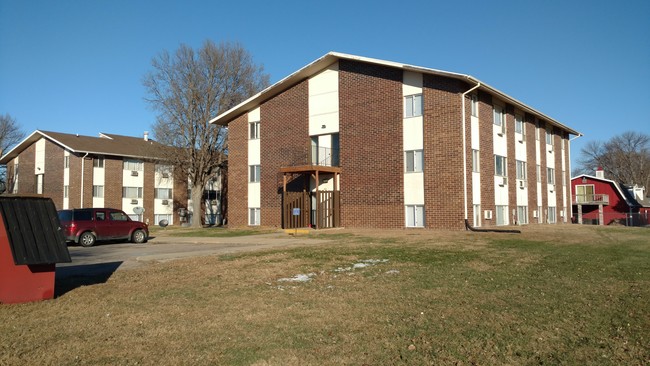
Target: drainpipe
column 81, row 205
column 570, row 190
column 462, row 97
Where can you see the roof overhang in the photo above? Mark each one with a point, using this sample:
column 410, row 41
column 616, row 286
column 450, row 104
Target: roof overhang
column 332, row 57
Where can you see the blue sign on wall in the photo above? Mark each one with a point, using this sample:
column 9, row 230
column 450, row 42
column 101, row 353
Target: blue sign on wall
column 296, row 211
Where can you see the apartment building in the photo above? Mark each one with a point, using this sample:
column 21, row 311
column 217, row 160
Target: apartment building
column 128, row 173
column 358, row 142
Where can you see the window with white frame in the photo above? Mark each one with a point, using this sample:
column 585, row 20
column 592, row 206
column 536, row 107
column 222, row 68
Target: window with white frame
column 519, row 124
column 499, row 117
column 521, row 169
column 564, row 178
column 474, row 104
column 130, row 164
column 66, row 162
column 254, row 216
column 522, row 215
column 163, row 193
column 39, row 184
column 98, row 191
column 550, row 175
column 500, row 166
column 476, row 161
column 414, row 161
column 98, row 162
column 501, row 214
column 539, row 173
column 540, row 214
column 551, row 215
column 414, row 216
column 254, row 173
column 66, row 191
column 477, row 215
column 412, row 105
column 132, row 192
column 254, row 128
column 549, row 138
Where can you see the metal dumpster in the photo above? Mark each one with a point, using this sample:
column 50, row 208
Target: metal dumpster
column 31, row 243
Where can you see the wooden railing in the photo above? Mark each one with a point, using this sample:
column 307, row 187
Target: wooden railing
column 591, row 199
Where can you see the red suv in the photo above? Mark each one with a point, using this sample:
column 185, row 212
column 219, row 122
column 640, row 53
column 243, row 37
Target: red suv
column 87, row 225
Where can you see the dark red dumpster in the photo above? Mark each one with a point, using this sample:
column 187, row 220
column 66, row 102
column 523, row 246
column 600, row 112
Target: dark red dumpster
column 31, row 243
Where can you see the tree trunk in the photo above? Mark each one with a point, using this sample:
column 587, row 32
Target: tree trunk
column 197, row 206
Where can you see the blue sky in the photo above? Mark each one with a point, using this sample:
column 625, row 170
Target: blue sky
column 76, row 66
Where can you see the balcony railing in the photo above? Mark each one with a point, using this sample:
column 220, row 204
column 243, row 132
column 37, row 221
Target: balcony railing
column 591, row 199
column 324, row 156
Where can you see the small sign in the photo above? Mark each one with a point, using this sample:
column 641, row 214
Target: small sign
column 295, row 211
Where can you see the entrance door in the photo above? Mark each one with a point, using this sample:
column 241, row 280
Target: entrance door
column 584, row 193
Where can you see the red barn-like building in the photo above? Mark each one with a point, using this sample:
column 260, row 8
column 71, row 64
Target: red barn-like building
column 601, row 201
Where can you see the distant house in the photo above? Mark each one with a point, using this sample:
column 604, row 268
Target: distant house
column 107, row 171
column 359, row 142
column 601, row 201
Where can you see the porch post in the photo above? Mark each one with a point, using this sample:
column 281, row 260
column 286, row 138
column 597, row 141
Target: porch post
column 580, row 214
column 317, row 201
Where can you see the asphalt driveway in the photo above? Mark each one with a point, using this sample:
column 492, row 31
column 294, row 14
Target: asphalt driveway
column 106, row 258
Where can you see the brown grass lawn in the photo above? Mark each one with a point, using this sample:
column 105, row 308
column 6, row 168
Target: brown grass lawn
column 551, row 295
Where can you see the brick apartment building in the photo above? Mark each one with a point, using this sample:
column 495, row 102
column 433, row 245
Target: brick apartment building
column 106, row 171
column 358, row 142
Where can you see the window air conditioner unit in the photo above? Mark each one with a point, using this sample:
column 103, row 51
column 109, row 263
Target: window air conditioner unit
column 134, row 202
column 522, row 184
column 534, row 214
column 134, row 173
column 488, row 214
column 165, row 202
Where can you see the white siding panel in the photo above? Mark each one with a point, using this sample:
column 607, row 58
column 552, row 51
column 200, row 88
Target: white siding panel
column 254, row 115
column 414, row 188
column 254, row 152
column 39, row 158
column 413, row 135
column 254, row 195
column 324, row 102
column 412, row 83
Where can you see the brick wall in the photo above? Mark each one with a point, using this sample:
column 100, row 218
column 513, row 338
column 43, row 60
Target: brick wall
column 53, row 178
column 148, row 192
column 531, row 166
column 113, row 172
column 26, row 179
column 512, row 163
column 238, row 171
column 372, row 157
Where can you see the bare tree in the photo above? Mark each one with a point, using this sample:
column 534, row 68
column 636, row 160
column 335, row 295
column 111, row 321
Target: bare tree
column 10, row 134
column 190, row 87
column 624, row 158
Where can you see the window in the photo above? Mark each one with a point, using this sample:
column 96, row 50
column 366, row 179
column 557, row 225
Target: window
column 500, row 166
column 66, row 191
column 254, row 173
column 99, row 163
column 132, row 164
column 521, row 169
column 477, row 215
column 413, row 105
column 551, row 215
column 564, row 178
column 550, row 175
column 584, row 193
column 539, row 173
column 119, row 216
column 474, row 105
column 98, row 191
column 522, row 215
column 475, row 161
column 537, row 128
column 549, row 138
column 163, row 193
column 414, row 216
column 502, row 215
column 254, row 128
column 66, row 162
column 132, row 192
column 414, row 161
column 39, row 184
column 519, row 124
column 100, row 215
column 254, row 216
column 499, row 117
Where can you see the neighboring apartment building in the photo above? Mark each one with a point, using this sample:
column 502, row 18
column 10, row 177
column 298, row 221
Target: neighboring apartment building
column 358, row 142
column 127, row 173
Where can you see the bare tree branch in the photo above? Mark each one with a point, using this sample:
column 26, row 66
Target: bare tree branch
column 187, row 89
column 10, row 134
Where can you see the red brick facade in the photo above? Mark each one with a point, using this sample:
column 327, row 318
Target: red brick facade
column 238, row 171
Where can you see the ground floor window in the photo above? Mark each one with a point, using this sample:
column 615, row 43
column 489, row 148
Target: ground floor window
column 254, row 216
column 522, row 215
column 502, row 215
column 414, row 216
column 551, row 215
column 477, row 215
column 66, row 191
column 540, row 214
column 98, row 191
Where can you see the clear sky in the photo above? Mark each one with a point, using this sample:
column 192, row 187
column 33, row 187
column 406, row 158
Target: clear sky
column 76, row 66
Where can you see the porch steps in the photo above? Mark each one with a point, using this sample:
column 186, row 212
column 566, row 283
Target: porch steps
column 304, row 231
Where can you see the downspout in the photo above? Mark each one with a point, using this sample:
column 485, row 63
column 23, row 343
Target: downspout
column 570, row 190
column 463, row 123
column 83, row 159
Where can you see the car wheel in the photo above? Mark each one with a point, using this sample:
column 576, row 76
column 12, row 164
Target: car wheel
column 139, row 237
column 87, row 239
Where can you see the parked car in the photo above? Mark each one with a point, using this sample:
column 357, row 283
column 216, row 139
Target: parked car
column 85, row 226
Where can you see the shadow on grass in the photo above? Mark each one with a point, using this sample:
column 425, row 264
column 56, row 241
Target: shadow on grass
column 69, row 278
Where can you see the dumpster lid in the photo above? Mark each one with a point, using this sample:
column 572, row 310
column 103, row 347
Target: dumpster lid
column 33, row 230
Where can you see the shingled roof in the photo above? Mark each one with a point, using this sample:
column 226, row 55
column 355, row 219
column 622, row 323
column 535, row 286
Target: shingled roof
column 105, row 144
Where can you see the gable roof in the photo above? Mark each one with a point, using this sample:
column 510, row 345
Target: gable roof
column 332, row 57
column 106, row 144
column 622, row 191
